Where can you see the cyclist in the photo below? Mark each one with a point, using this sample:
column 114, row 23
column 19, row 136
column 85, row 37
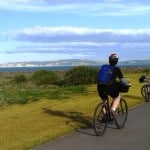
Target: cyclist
column 111, row 89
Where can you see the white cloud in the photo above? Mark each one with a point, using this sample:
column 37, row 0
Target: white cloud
column 97, row 7
column 78, row 34
column 71, row 42
column 23, row 5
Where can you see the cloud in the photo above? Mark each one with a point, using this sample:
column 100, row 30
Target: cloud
column 80, row 42
column 23, row 5
column 71, row 41
column 81, row 7
column 92, row 51
column 62, row 2
column 77, row 34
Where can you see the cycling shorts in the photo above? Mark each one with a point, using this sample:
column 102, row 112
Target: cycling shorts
column 107, row 90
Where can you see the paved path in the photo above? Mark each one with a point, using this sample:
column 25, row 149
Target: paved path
column 134, row 136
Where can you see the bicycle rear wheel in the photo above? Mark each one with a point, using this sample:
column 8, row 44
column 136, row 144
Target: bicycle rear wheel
column 122, row 114
column 144, row 92
column 100, row 119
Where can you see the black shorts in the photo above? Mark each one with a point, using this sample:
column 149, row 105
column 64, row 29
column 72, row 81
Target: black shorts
column 107, row 90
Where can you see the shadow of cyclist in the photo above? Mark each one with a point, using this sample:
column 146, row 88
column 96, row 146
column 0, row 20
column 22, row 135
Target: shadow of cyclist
column 73, row 116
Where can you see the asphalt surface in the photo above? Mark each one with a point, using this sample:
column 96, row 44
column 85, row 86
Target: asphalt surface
column 134, row 136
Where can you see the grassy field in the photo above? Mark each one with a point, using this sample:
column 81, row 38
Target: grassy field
column 23, row 127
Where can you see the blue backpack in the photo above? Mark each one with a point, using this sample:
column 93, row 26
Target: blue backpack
column 105, row 74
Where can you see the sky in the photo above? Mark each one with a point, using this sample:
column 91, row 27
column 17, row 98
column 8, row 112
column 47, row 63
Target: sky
column 48, row 30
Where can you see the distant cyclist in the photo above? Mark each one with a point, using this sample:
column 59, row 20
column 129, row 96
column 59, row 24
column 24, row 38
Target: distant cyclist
column 107, row 77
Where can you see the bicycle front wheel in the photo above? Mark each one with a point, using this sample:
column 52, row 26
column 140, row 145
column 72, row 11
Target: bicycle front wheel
column 122, row 114
column 100, row 119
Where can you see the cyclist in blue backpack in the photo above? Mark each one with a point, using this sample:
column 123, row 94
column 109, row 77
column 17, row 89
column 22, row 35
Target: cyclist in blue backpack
column 107, row 81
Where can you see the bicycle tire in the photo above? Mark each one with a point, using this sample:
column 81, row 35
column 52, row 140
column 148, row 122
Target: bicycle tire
column 121, row 114
column 144, row 93
column 98, row 122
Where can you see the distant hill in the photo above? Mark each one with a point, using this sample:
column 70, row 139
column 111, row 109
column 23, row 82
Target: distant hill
column 73, row 62
column 136, row 63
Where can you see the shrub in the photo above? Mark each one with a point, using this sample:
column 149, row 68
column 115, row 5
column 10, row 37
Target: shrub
column 19, row 78
column 81, row 75
column 42, row 77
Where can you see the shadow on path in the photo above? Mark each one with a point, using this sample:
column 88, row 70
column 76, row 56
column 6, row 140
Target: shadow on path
column 85, row 127
column 88, row 131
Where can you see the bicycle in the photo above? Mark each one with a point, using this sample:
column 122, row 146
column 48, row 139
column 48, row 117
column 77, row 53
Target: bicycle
column 145, row 89
column 103, row 115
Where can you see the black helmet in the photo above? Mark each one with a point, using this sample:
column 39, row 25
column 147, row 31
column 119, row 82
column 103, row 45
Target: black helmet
column 113, row 59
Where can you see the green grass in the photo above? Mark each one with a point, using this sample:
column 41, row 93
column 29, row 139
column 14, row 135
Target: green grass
column 25, row 126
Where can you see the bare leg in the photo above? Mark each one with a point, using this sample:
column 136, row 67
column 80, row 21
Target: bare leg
column 115, row 104
column 104, row 110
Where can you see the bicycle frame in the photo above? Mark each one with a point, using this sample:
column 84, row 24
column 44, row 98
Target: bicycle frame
column 108, row 106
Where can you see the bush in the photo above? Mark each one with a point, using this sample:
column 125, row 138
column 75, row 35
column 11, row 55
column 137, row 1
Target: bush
column 19, row 78
column 42, row 77
column 81, row 75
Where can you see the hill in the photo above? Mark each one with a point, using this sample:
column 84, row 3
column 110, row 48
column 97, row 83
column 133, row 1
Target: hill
column 73, row 62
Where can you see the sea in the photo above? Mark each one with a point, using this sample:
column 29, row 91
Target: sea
column 52, row 68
